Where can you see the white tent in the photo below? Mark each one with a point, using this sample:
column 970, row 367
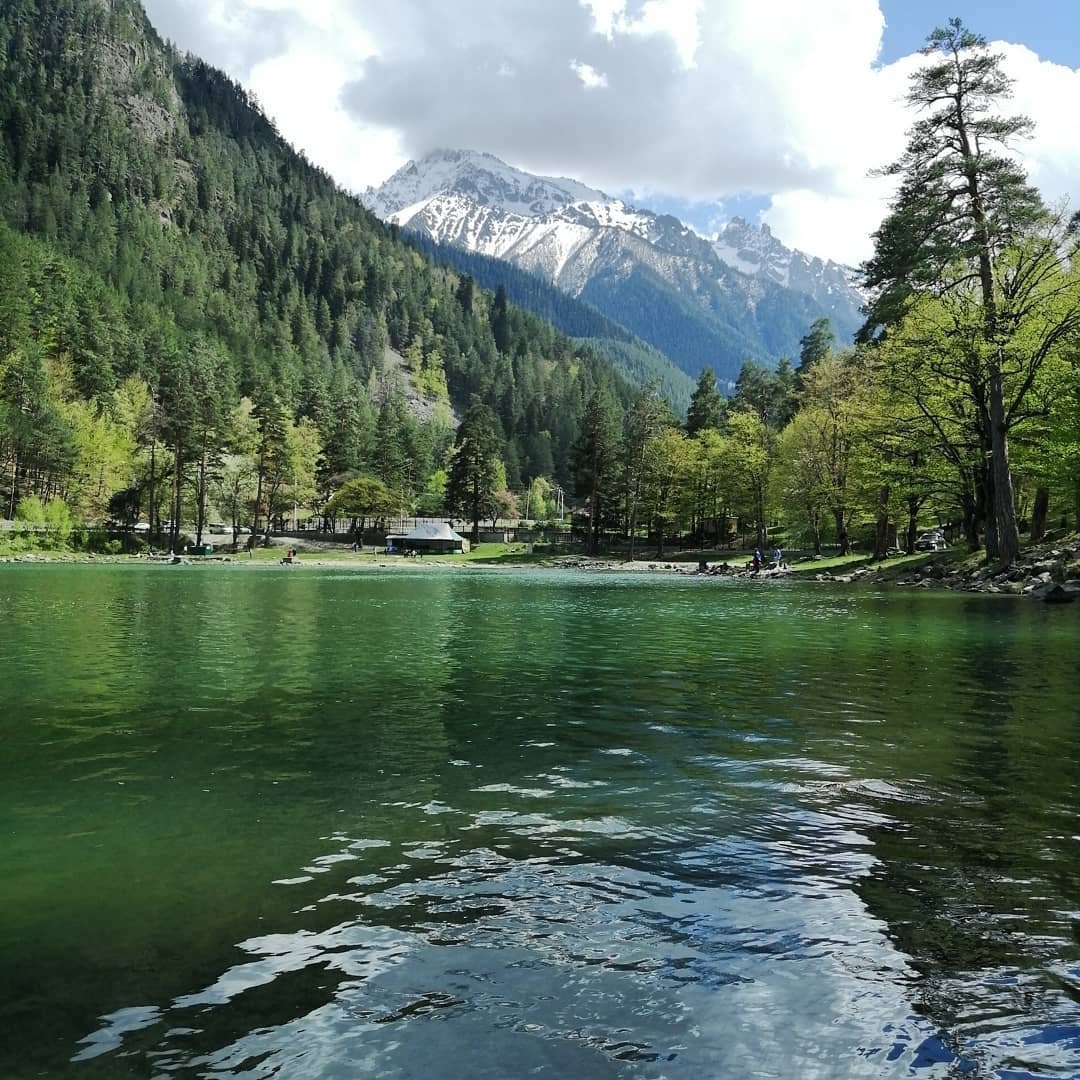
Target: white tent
column 434, row 531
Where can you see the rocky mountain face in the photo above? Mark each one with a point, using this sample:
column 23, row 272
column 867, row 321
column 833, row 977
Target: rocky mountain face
column 742, row 295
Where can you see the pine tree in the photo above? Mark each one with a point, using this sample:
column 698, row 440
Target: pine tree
column 596, row 456
column 706, row 405
column 474, row 469
column 817, row 344
column 500, row 321
column 963, row 200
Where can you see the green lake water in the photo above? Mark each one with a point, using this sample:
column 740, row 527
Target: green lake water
column 306, row 824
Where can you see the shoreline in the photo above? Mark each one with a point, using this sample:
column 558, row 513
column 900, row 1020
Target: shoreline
column 1047, row 571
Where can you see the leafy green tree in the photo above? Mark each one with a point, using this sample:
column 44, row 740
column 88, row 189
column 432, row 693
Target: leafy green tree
column 35, row 441
column 668, row 462
column 835, row 403
column 750, row 450
column 709, row 486
column 540, row 503
column 431, row 502
column 49, row 521
column 363, row 499
column 800, row 478
column 1062, row 451
column 646, row 419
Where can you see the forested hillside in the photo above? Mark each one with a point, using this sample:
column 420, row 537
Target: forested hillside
column 178, row 283
column 580, row 320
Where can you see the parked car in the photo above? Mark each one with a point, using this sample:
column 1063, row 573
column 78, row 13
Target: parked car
column 931, row 540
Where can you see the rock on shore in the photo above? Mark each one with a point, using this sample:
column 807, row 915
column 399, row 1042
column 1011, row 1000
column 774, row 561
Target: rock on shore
column 1049, row 572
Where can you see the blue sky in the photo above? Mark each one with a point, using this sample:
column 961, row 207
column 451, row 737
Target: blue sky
column 1049, row 27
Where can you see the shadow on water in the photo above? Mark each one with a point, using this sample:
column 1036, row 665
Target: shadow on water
column 322, row 825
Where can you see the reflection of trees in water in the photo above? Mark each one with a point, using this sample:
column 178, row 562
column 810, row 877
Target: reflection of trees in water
column 975, row 883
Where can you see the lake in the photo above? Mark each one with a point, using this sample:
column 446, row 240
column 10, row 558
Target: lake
column 308, row 823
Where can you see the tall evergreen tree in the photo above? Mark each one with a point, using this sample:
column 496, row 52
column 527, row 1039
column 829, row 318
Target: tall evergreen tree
column 474, row 469
column 500, row 321
column 706, row 405
column 963, row 200
column 818, row 343
column 596, row 455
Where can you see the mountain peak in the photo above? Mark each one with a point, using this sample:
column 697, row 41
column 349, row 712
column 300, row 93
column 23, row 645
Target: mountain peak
column 588, row 244
column 479, row 176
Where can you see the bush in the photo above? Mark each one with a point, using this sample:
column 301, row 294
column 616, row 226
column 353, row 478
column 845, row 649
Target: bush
column 49, row 522
column 58, row 521
column 31, row 512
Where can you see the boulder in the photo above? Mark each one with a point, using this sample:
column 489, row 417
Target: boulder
column 1057, row 594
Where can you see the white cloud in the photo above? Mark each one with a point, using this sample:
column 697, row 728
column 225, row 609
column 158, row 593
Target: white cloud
column 695, row 99
column 590, row 78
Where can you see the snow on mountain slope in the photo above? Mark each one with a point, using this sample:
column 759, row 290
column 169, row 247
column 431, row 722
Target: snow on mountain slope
column 572, row 235
column 483, row 178
column 755, row 251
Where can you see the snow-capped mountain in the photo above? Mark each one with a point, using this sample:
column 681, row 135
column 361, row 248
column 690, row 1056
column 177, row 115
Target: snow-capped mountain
column 482, row 178
column 755, row 251
column 740, row 295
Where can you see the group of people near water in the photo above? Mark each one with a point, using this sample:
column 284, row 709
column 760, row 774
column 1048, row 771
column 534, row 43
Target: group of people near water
column 758, row 561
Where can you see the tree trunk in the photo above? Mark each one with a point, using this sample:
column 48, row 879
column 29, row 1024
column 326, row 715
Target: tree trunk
column 1076, row 497
column 970, row 524
column 14, row 479
column 200, row 516
column 153, row 488
column 258, row 504
column 881, row 532
column 1004, row 504
column 174, row 530
column 1039, row 513
column 989, row 518
column 912, row 533
column 841, row 532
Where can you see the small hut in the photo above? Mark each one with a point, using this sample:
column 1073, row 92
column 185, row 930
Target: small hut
column 431, row 538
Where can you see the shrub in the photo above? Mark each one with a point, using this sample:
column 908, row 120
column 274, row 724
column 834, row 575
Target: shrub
column 50, row 522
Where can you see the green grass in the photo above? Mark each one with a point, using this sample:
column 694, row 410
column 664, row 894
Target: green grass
column 500, row 554
column 857, row 561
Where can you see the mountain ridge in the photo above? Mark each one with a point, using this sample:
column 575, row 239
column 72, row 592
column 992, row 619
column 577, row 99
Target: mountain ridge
column 754, row 297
